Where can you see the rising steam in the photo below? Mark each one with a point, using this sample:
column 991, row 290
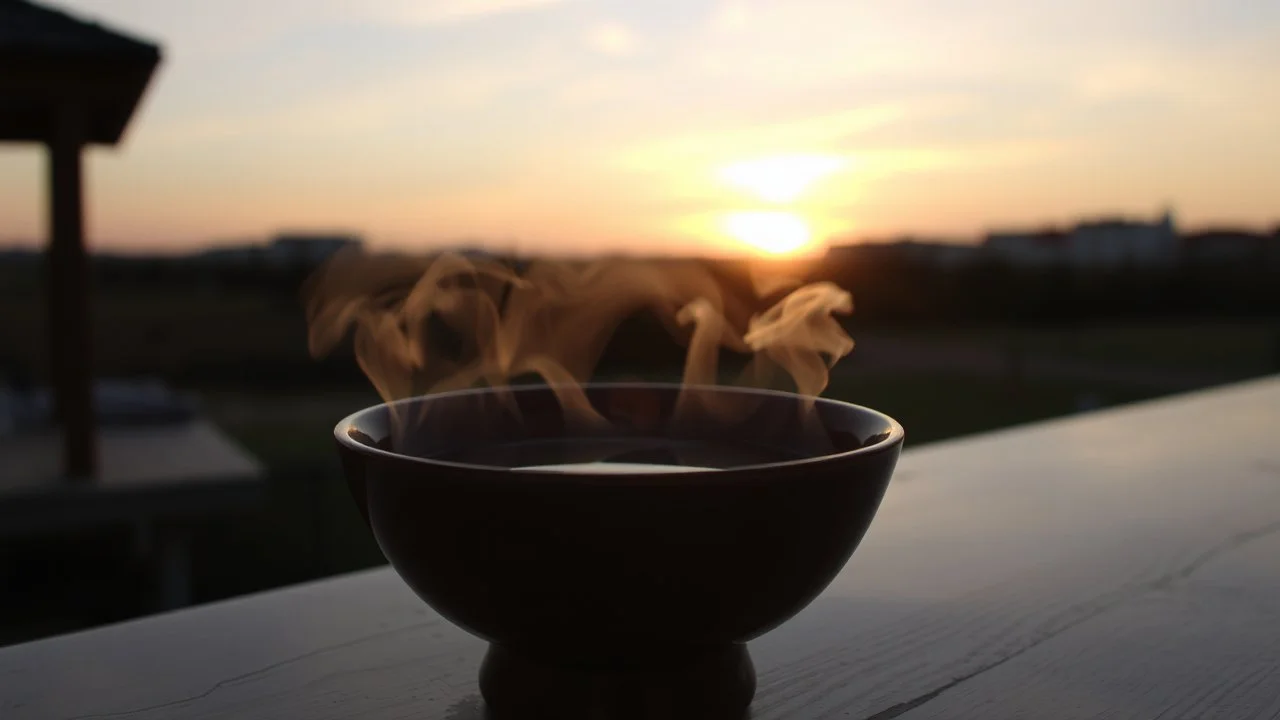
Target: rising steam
column 425, row 325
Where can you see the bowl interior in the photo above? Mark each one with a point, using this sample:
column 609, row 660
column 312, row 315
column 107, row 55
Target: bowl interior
column 648, row 424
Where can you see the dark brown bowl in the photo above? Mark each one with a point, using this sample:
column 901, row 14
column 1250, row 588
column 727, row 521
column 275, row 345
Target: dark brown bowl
column 617, row 592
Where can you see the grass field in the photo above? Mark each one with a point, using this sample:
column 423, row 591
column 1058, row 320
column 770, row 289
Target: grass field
column 940, row 406
column 1235, row 347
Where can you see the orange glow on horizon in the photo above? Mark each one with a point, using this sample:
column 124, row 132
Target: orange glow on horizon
column 771, row 232
column 779, row 180
column 782, row 178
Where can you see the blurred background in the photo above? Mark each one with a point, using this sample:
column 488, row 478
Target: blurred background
column 1041, row 210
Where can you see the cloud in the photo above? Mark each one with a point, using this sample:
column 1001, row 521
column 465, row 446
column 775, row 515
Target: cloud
column 445, row 12
column 443, row 95
column 820, row 133
column 220, row 28
column 957, row 157
column 871, row 144
column 611, row 38
column 730, row 16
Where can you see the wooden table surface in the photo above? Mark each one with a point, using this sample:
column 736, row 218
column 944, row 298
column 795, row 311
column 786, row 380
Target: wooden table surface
column 1121, row 564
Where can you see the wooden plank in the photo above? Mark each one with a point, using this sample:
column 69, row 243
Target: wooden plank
column 70, row 339
column 988, row 547
column 132, row 456
column 334, row 649
column 1087, row 567
column 1204, row 645
column 146, row 471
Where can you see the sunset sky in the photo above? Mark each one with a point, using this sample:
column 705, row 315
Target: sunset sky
column 592, row 124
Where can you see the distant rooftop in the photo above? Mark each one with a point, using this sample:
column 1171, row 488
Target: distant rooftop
column 31, row 30
column 48, row 57
column 1124, row 223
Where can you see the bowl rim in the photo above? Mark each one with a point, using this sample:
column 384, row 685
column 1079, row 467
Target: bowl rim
column 894, row 438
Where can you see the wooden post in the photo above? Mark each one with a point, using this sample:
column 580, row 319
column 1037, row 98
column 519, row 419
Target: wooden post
column 68, row 287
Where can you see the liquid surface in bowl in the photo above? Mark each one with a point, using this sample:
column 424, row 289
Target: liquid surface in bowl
column 616, row 455
column 607, row 468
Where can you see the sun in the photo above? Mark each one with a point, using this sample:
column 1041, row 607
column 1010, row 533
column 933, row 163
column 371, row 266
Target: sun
column 781, row 178
column 769, row 231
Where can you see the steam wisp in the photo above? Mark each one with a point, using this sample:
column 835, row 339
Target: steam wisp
column 431, row 324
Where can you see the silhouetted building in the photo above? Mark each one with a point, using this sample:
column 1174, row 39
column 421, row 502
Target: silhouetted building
column 239, row 254
column 284, row 249
column 302, row 248
column 1044, row 248
column 945, row 255
column 1226, row 247
column 1113, row 243
column 1097, row 244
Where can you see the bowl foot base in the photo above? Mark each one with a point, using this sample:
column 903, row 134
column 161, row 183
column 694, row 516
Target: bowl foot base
column 717, row 685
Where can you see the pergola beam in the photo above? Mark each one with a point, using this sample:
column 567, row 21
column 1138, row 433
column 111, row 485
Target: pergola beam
column 70, row 328
column 66, row 83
